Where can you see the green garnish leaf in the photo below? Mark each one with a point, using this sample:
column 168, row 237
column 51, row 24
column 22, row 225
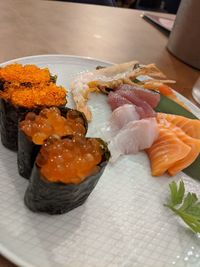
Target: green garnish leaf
column 177, row 194
column 187, row 208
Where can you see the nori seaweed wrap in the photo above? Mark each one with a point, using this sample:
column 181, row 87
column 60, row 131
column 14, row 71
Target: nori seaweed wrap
column 31, row 135
column 17, row 99
column 9, row 124
column 57, row 195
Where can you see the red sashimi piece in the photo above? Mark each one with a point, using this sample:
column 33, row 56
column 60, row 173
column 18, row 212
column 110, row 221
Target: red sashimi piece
column 165, row 151
column 116, row 100
column 151, row 97
column 189, row 126
column 130, row 96
column 166, row 91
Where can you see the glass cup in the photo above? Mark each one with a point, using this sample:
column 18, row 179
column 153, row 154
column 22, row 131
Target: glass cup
column 196, row 91
column 184, row 40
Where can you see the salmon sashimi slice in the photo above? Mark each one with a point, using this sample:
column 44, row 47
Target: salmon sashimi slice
column 189, row 126
column 193, row 143
column 166, row 150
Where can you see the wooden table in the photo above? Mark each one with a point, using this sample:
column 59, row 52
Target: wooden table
column 112, row 34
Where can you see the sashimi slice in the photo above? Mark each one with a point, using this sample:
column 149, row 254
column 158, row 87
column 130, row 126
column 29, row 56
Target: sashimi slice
column 116, row 100
column 151, row 97
column 164, row 90
column 166, row 150
column 130, row 96
column 119, row 118
column 193, row 143
column 189, row 158
column 122, row 116
column 189, row 126
column 135, row 136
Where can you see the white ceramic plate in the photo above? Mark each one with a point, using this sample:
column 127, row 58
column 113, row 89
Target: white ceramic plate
column 122, row 224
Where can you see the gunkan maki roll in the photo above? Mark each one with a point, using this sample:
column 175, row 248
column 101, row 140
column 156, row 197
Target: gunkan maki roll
column 35, row 128
column 18, row 99
column 28, row 75
column 65, row 173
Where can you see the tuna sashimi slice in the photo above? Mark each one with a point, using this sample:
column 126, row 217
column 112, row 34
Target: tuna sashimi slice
column 133, row 137
column 116, row 100
column 151, row 97
column 130, row 96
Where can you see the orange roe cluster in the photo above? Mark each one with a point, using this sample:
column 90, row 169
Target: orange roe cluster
column 50, row 122
column 34, row 96
column 17, row 73
column 69, row 160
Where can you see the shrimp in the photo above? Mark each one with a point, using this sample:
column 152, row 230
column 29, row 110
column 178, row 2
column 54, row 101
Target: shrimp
column 81, row 87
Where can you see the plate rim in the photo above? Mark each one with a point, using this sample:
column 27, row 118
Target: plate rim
column 57, row 55
column 4, row 251
column 13, row 258
column 182, row 97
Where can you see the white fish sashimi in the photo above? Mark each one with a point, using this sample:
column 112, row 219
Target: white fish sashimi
column 123, row 115
column 119, row 118
column 134, row 137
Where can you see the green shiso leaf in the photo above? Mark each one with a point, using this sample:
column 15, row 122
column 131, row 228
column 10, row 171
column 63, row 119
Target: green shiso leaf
column 167, row 105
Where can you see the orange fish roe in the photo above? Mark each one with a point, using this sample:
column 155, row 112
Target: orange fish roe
column 17, row 73
column 50, row 122
column 69, row 160
column 37, row 95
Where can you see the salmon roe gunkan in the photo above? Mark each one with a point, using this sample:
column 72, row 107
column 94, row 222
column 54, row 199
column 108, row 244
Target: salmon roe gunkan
column 17, row 73
column 69, row 160
column 50, row 122
column 35, row 96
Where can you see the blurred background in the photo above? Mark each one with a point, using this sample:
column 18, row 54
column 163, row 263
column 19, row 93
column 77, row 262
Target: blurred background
column 165, row 6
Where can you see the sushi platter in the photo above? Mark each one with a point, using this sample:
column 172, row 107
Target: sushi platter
column 75, row 191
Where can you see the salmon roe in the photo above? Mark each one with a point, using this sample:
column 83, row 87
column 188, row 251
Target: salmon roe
column 37, row 95
column 50, row 122
column 69, row 160
column 17, row 73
